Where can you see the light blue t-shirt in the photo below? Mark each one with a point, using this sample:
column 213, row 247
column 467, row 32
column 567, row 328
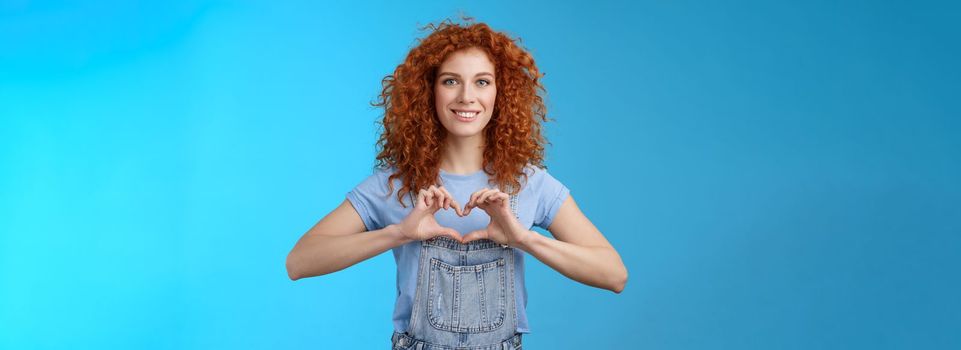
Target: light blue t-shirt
column 540, row 197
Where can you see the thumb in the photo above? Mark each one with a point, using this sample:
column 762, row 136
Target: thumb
column 475, row 235
column 452, row 233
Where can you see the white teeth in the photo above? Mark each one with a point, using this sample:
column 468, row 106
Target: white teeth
column 467, row 114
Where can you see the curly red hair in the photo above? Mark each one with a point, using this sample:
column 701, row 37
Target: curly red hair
column 412, row 138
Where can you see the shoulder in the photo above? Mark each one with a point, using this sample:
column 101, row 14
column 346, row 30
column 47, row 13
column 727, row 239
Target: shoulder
column 384, row 172
column 538, row 177
column 377, row 179
column 547, row 192
column 370, row 198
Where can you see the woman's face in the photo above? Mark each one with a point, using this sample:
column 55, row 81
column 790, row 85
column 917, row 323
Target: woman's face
column 464, row 92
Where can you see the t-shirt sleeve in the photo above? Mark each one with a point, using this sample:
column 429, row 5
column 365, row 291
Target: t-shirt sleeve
column 550, row 195
column 369, row 198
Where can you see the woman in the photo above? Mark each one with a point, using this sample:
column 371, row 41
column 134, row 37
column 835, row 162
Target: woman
column 461, row 125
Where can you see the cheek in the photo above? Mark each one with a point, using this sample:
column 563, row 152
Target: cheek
column 442, row 98
column 490, row 97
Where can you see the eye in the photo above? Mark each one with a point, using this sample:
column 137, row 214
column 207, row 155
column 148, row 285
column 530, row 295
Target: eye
column 451, row 80
column 483, row 82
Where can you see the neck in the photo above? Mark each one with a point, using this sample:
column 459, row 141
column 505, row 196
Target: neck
column 463, row 155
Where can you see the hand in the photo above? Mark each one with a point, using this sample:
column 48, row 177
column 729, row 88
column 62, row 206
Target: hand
column 503, row 227
column 420, row 224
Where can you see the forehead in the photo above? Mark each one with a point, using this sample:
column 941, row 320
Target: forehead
column 467, row 62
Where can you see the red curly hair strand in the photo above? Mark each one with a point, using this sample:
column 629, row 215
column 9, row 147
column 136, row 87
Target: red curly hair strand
column 412, row 137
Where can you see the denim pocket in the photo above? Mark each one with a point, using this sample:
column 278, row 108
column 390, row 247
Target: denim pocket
column 466, row 298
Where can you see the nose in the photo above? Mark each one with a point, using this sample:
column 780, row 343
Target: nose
column 466, row 94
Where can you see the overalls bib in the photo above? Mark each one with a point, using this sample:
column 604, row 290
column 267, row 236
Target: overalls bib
column 464, row 298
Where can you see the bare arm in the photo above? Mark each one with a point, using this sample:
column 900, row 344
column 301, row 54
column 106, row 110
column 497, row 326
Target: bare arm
column 338, row 241
column 579, row 251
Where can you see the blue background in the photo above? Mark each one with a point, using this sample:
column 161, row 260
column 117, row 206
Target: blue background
column 775, row 175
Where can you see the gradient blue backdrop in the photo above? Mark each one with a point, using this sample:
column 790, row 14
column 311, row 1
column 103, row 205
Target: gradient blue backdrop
column 775, row 175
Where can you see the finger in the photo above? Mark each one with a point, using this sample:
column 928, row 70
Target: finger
column 445, row 203
column 457, row 209
column 475, row 235
column 470, row 201
column 422, row 198
column 473, row 200
column 437, row 195
column 489, row 196
column 501, row 196
column 451, row 203
column 452, row 233
column 447, row 197
column 486, row 197
column 429, row 197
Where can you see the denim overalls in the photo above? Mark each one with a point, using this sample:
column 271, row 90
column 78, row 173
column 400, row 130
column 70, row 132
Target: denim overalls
column 464, row 298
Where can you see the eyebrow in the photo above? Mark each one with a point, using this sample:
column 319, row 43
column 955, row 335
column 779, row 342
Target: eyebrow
column 458, row 75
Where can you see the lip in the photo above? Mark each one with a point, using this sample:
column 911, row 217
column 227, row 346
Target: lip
column 466, row 120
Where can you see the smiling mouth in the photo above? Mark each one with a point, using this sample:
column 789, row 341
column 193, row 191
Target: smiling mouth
column 466, row 115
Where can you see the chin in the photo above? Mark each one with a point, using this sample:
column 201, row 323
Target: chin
column 463, row 133
column 459, row 129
